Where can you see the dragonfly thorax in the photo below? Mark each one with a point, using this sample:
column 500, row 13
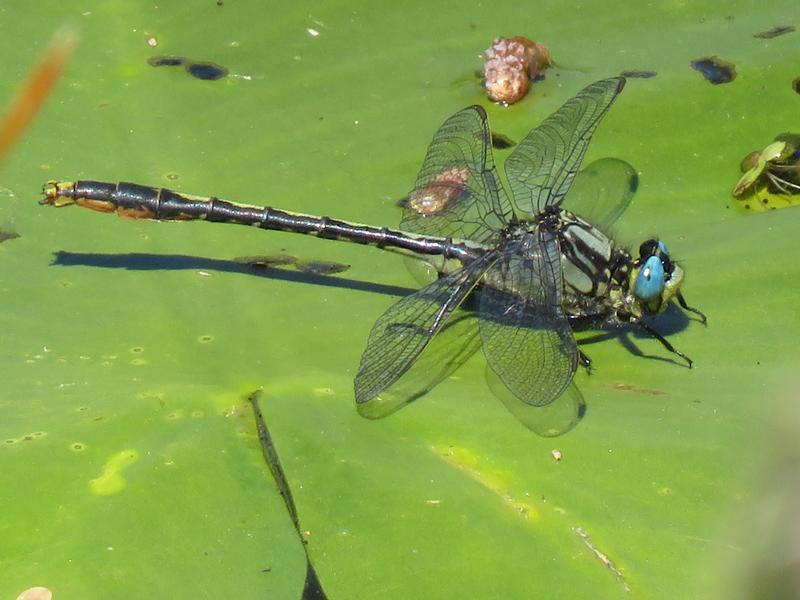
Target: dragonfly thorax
column 590, row 261
column 598, row 277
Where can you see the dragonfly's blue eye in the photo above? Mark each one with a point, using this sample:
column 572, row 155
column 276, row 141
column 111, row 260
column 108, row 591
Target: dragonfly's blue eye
column 650, row 280
column 663, row 247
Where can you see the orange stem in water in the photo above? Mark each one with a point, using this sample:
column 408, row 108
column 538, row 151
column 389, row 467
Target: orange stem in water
column 36, row 89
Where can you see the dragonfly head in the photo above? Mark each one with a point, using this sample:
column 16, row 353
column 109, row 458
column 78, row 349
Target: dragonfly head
column 654, row 279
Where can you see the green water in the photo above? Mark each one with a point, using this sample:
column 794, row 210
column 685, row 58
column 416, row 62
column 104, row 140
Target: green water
column 127, row 364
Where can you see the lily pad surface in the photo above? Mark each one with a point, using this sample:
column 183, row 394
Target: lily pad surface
column 130, row 461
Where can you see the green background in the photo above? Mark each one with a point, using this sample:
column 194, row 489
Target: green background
column 128, row 457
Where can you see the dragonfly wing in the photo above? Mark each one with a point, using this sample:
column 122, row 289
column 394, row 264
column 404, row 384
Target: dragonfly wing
column 401, row 334
column 451, row 347
column 457, row 193
column 602, row 191
column 552, row 420
column 542, row 167
column 525, row 335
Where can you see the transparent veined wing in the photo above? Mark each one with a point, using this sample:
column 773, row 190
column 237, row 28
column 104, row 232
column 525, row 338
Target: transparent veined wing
column 457, row 193
column 455, row 342
column 405, row 329
column 542, row 167
column 550, row 420
column 525, row 335
column 602, row 192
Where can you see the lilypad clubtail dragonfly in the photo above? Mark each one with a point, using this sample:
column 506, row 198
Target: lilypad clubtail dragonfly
column 537, row 270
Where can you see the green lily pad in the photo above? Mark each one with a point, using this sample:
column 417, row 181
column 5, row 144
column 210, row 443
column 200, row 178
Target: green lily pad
column 130, row 462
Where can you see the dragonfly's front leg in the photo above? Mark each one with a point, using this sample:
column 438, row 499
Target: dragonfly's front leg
column 664, row 342
column 687, row 308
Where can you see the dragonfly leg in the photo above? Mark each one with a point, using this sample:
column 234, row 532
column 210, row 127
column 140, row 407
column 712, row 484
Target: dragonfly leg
column 664, row 342
column 687, row 308
column 585, row 361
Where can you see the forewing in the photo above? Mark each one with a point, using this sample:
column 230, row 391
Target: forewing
column 457, row 193
column 541, row 169
column 602, row 192
column 405, row 329
column 526, row 338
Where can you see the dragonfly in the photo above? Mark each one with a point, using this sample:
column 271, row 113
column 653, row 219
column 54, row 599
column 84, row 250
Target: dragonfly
column 530, row 266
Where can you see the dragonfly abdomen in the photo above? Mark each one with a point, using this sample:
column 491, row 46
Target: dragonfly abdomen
column 135, row 201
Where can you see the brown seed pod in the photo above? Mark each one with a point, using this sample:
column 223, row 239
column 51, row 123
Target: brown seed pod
column 509, row 66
